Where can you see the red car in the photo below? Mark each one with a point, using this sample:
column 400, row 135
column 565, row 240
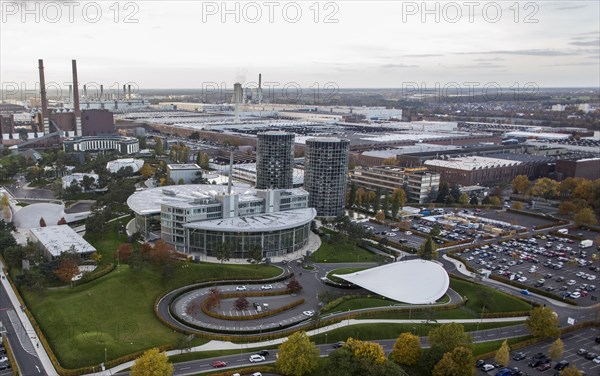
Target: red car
column 219, row 364
column 543, row 367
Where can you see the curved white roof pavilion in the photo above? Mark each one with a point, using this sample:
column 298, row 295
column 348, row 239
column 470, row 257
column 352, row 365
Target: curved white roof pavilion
column 412, row 281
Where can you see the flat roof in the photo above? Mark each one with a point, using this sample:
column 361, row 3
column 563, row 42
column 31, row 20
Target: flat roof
column 258, row 223
column 412, row 281
column 59, row 239
column 471, row 163
column 184, row 166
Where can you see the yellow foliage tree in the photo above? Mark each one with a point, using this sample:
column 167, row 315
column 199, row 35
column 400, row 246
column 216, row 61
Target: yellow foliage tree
column 458, row 362
column 297, row 356
column 585, row 216
column 366, row 350
column 503, row 354
column 570, row 371
column 556, row 349
column 520, row 183
column 407, row 350
column 146, row 170
column 152, row 362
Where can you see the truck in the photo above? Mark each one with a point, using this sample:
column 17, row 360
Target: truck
column 586, row 243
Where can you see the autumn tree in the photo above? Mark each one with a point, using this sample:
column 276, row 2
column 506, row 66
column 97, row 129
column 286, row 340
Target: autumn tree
column 298, row 356
column 407, row 350
column 146, row 170
column 398, row 201
column 556, row 349
column 520, row 184
column 503, row 354
column 124, row 252
column 380, row 216
column 241, row 303
column 294, row 286
column 62, row 221
column 152, row 362
column 566, row 207
column 162, row 253
column 67, row 269
column 158, row 147
column 585, row 216
column 366, row 350
column 42, row 222
column 458, row 362
column 570, row 371
column 214, row 298
column 449, row 336
column 546, row 188
column 463, row 199
column 518, row 205
column 543, row 323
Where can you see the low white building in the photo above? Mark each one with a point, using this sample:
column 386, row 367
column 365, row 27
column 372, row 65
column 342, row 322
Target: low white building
column 187, row 172
column 117, row 164
column 55, row 240
column 67, row 180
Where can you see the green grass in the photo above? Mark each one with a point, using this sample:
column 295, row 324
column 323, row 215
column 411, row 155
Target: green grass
column 373, row 302
column 342, row 253
column 437, row 315
column 477, row 295
column 115, row 311
column 486, row 347
column 107, row 241
column 342, row 271
column 391, row 331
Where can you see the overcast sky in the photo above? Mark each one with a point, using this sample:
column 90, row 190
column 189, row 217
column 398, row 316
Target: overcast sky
column 183, row 44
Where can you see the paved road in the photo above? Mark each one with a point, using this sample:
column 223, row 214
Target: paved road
column 20, row 341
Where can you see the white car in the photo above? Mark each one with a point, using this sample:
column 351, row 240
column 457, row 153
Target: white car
column 256, row 358
column 395, row 229
column 308, row 313
column 487, row 367
column 241, row 288
column 522, row 279
column 571, row 282
column 408, row 233
column 266, row 287
column 575, row 295
column 391, row 234
column 257, row 374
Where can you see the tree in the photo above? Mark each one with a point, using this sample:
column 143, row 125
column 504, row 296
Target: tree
column 67, row 269
column 87, row 182
column 543, row 323
column 224, row 251
column 443, row 192
column 297, row 355
column 449, row 336
column 162, row 253
column 474, row 200
column 503, row 354
column 158, row 147
column 184, row 341
column 463, row 199
column 294, row 286
column 255, row 254
column 556, row 349
column 398, row 201
column 435, row 230
column 152, row 362
column 377, row 201
column 214, row 298
column 42, row 222
column 407, row 350
column 124, row 252
column 241, row 303
column 195, row 135
column 518, row 205
column 366, row 350
column 427, row 250
column 546, row 188
column 352, row 195
column 146, row 170
column 458, row 362
column 380, row 216
column 566, row 207
column 585, row 216
column 455, row 193
column 62, row 221
column 520, row 184
column 570, row 371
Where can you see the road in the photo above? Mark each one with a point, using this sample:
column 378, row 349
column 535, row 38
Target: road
column 20, row 341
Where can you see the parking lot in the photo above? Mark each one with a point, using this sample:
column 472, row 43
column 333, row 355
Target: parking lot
column 523, row 220
column 582, row 339
column 557, row 265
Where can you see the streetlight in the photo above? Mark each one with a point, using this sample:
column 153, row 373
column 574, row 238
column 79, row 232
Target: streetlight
column 105, row 358
column 326, row 338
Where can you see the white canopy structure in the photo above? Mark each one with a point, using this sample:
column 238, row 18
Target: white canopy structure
column 413, row 281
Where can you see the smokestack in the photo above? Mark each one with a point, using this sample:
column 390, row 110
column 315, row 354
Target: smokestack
column 71, row 93
column 85, row 91
column 101, row 92
column 76, row 99
column 129, row 92
column 237, row 98
column 259, row 94
column 124, row 92
column 45, row 121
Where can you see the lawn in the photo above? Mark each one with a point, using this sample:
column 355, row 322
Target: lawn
column 106, row 242
column 343, row 252
column 372, row 302
column 342, row 271
column 115, row 311
column 496, row 301
column 486, row 347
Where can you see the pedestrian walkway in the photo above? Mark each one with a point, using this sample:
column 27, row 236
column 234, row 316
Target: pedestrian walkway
column 22, row 334
column 26, row 326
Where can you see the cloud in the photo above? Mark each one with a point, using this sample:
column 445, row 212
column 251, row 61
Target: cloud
column 572, row 64
column 490, row 59
column 529, row 52
column 399, row 65
column 589, row 42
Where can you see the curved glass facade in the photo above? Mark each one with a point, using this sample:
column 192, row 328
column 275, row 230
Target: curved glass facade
column 273, row 243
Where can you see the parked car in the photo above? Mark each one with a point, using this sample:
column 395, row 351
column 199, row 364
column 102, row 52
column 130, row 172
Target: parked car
column 487, row 367
column 582, row 352
column 308, row 313
column 339, row 344
column 561, row 365
column 543, row 367
column 519, row 356
column 264, row 353
column 266, row 287
column 241, row 288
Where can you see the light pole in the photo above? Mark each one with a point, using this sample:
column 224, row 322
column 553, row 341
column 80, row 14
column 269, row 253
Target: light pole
column 325, row 337
column 105, row 358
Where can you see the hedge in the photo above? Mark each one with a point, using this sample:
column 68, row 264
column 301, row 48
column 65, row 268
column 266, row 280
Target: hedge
column 101, row 272
column 10, row 355
column 532, row 289
column 268, row 313
column 247, row 370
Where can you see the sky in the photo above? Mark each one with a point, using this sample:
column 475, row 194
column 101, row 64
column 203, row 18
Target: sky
column 350, row 44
